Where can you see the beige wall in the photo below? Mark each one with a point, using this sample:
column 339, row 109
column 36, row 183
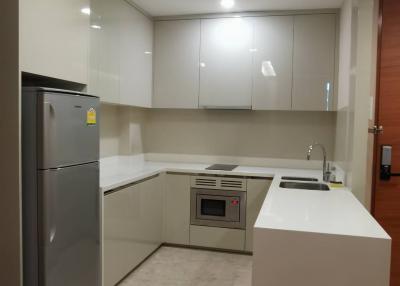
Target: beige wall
column 364, row 95
column 10, row 242
column 121, row 130
column 238, row 133
column 109, row 130
column 215, row 132
column 357, row 72
column 346, row 84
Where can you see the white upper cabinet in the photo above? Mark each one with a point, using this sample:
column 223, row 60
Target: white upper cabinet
column 176, row 66
column 121, row 46
column 226, row 63
column 136, row 57
column 104, row 54
column 54, row 39
column 263, row 63
column 314, row 62
column 272, row 65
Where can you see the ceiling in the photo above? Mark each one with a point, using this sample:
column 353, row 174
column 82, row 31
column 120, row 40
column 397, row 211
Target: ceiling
column 185, row 7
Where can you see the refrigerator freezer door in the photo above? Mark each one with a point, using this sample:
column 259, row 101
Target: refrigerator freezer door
column 68, row 132
column 69, row 226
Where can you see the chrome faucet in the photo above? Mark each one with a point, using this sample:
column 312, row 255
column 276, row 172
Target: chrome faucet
column 326, row 174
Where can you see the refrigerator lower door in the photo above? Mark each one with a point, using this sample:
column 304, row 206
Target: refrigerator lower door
column 68, row 130
column 69, row 226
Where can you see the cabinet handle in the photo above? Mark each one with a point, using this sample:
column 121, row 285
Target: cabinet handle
column 129, row 185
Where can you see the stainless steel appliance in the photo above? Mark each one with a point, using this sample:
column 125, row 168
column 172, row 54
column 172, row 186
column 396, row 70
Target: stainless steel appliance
column 218, row 201
column 60, row 152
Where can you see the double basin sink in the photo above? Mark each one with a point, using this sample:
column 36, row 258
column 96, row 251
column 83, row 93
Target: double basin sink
column 303, row 184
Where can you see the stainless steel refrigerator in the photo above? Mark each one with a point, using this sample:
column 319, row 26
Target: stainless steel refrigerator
column 60, row 194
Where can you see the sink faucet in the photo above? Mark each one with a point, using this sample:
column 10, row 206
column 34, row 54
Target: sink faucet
column 325, row 171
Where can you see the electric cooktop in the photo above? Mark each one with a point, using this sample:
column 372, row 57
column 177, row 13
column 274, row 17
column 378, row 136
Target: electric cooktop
column 222, row 167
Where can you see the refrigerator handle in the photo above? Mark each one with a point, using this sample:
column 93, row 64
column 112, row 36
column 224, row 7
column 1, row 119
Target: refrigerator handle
column 48, row 113
column 99, row 213
column 50, row 106
column 51, row 228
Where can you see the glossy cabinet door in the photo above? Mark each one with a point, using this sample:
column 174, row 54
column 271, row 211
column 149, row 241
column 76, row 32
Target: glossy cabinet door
column 152, row 206
column 177, row 209
column 54, row 39
column 176, row 64
column 132, row 227
column 226, row 63
column 122, row 245
column 136, row 57
column 104, row 50
column 314, row 62
column 217, row 237
column 121, row 45
column 272, row 65
column 257, row 190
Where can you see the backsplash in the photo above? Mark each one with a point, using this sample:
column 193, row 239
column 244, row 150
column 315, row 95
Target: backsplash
column 267, row 134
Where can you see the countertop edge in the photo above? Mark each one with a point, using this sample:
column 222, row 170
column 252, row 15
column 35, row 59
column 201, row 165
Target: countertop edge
column 147, row 169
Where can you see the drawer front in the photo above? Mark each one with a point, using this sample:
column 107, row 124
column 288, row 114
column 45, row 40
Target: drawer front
column 214, row 237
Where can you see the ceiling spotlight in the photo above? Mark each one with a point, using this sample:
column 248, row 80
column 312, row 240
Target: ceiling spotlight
column 227, row 4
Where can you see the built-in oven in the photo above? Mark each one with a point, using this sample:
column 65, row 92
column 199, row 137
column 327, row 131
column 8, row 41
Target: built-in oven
column 218, row 202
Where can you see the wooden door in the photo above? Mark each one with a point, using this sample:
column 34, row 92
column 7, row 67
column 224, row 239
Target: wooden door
column 386, row 202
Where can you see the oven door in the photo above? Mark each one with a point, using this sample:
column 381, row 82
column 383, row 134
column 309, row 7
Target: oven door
column 218, row 208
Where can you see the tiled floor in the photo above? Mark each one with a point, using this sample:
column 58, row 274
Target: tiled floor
column 171, row 266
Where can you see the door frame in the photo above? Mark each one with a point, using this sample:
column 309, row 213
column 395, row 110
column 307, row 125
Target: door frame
column 375, row 175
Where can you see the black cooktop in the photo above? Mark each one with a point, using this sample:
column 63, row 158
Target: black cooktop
column 222, row 167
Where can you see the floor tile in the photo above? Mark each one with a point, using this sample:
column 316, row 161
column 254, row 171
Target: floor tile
column 171, row 266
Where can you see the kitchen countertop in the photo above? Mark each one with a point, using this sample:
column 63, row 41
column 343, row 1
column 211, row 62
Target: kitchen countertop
column 335, row 212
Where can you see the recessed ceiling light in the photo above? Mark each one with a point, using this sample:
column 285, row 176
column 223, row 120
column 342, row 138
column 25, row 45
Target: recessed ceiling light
column 98, row 27
column 86, row 11
column 227, row 4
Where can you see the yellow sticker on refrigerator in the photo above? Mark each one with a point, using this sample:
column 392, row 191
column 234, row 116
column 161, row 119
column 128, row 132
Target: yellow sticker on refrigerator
column 91, row 117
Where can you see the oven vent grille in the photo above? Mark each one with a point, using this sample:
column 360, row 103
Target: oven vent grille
column 219, row 183
column 232, row 184
column 206, row 182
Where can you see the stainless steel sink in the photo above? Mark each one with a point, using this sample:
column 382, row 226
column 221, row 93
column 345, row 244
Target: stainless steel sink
column 300, row 179
column 304, row 186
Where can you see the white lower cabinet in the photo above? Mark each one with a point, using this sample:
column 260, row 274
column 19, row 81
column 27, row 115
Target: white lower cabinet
column 216, row 237
column 177, row 209
column 132, row 227
column 256, row 192
column 138, row 218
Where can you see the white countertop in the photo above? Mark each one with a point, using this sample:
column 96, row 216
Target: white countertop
column 334, row 212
